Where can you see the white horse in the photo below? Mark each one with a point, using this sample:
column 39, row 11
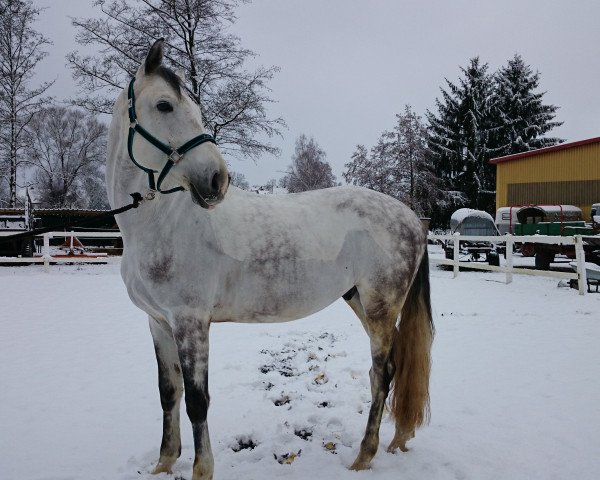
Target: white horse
column 208, row 252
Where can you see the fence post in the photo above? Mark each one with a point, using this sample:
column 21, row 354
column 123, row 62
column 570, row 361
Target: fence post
column 509, row 258
column 46, row 251
column 580, row 259
column 456, row 254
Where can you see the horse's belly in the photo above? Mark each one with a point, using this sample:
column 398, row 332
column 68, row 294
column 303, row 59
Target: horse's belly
column 289, row 293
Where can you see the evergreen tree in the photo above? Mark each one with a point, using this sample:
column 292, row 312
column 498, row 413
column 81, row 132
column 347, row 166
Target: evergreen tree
column 461, row 135
column 523, row 119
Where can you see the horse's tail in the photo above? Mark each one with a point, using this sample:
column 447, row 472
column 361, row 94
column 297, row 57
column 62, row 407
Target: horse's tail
column 411, row 354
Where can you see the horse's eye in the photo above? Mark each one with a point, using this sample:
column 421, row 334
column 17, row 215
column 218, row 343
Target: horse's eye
column 164, row 106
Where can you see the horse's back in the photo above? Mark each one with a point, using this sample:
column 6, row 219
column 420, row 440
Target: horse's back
column 320, row 217
column 305, row 250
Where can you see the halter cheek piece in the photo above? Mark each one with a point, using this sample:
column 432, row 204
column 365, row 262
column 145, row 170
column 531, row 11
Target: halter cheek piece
column 174, row 155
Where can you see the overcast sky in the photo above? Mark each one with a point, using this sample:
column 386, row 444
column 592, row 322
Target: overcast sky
column 348, row 66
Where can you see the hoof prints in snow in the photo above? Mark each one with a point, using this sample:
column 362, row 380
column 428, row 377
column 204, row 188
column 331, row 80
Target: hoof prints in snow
column 301, row 375
column 304, row 433
column 284, row 400
column 244, row 443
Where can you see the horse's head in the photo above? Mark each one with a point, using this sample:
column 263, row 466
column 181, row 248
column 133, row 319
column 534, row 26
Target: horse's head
column 167, row 138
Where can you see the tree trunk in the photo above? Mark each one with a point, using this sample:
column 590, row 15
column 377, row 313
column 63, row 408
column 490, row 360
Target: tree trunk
column 12, row 184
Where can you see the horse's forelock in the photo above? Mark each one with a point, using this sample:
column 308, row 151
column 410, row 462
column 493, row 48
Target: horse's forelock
column 170, row 77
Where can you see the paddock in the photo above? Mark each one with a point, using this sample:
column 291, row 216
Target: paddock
column 514, row 389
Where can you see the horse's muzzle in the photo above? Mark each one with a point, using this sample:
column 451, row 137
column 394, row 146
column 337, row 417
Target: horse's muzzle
column 214, row 193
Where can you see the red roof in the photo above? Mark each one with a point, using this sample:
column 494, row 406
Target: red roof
column 554, row 148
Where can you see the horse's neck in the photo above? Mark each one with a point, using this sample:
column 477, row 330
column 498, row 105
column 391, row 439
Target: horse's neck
column 123, row 179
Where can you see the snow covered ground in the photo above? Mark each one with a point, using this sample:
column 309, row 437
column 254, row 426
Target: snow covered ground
column 515, row 390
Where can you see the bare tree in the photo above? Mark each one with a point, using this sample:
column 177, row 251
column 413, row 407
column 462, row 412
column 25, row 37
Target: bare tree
column 66, row 150
column 21, row 49
column 399, row 165
column 233, row 99
column 239, row 180
column 419, row 186
column 309, row 169
column 376, row 170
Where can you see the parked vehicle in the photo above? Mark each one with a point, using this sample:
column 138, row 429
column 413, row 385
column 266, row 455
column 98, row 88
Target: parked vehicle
column 595, row 216
column 467, row 221
column 563, row 220
column 506, row 219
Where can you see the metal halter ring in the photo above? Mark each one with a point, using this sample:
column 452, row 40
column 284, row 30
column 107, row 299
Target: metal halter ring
column 175, row 157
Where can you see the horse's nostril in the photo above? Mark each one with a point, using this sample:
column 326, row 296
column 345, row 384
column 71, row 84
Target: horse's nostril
column 215, row 183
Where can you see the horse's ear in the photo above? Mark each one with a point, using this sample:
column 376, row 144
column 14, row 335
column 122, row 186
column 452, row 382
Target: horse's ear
column 154, row 57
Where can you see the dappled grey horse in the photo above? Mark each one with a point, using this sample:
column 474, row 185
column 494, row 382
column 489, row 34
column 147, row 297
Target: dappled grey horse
column 198, row 251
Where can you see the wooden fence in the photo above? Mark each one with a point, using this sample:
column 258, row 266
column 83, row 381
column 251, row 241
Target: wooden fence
column 509, row 269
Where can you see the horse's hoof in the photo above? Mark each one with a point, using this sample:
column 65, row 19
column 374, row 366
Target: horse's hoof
column 399, row 441
column 397, row 445
column 357, row 466
column 163, row 468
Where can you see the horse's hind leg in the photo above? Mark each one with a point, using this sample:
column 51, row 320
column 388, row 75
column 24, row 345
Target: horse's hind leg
column 379, row 325
column 170, row 385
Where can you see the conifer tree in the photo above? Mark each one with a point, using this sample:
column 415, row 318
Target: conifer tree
column 460, row 136
column 523, row 119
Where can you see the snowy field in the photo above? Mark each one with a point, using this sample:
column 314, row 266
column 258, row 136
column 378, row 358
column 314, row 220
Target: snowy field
column 515, row 390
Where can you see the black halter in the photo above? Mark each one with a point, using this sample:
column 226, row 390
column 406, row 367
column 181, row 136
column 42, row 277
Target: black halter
column 174, row 154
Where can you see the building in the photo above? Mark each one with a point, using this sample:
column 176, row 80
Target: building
column 566, row 174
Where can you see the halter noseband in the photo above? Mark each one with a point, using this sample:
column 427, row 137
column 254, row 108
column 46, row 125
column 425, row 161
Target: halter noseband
column 174, row 154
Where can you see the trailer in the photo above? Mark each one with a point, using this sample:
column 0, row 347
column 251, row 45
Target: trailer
column 555, row 220
column 466, row 221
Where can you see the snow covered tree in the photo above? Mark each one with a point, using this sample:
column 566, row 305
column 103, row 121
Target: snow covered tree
column 419, row 186
column 21, row 50
column 375, row 169
column 232, row 98
column 66, row 149
column 523, row 119
column 398, row 165
column 460, row 134
column 238, row 180
column 309, row 169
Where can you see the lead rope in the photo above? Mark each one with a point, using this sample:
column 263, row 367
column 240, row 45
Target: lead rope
column 137, row 198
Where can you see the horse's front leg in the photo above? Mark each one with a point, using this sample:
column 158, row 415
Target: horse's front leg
column 191, row 337
column 170, row 386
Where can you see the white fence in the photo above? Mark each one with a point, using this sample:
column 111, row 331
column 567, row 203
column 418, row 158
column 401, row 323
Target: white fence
column 46, row 258
column 509, row 269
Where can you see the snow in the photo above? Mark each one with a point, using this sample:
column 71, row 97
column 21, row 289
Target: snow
column 514, row 390
column 459, row 215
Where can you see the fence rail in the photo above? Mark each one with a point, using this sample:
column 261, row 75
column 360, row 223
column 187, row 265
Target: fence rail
column 509, row 269
column 46, row 258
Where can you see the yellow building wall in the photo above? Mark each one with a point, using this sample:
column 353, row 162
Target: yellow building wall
column 572, row 164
